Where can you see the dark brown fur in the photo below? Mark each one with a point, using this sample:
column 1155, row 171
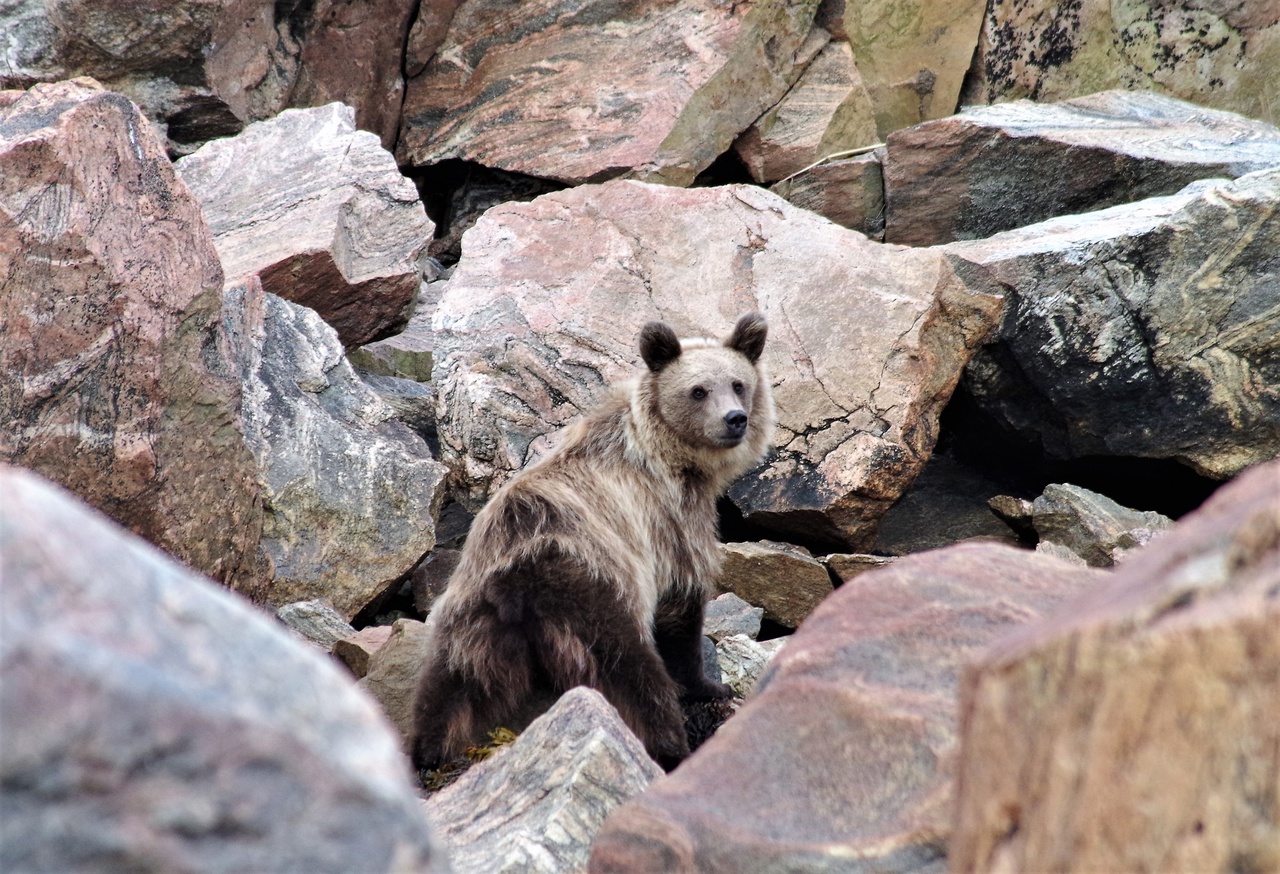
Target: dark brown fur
column 592, row 567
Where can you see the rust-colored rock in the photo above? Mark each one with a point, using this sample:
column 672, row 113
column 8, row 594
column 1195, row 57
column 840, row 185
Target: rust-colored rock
column 842, row 759
column 320, row 212
column 866, row 341
column 785, row 580
column 1139, row 728
column 587, row 90
column 995, row 168
column 117, row 381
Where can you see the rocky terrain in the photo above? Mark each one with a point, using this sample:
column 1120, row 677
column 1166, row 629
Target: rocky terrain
column 288, row 289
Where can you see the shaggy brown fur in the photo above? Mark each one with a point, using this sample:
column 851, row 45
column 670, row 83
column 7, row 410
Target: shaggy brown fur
column 593, row 566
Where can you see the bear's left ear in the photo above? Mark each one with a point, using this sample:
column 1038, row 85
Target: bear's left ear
column 659, row 345
column 748, row 336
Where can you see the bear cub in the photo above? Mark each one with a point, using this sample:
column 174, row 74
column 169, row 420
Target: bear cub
column 592, row 567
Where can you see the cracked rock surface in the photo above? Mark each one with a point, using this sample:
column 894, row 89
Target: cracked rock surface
column 866, row 342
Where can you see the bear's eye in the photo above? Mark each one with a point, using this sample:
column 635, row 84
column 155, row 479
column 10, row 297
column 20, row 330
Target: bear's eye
column 699, row 393
column 738, row 387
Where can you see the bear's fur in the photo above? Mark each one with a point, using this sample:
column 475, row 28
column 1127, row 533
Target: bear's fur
column 593, row 566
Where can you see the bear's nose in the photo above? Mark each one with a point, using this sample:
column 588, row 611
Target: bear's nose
column 736, row 421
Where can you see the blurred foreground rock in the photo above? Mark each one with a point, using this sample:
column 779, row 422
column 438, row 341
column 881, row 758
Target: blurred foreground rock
column 1167, row 306
column 320, row 212
column 535, row 806
column 1139, row 728
column 153, row 721
column 850, row 734
column 866, row 341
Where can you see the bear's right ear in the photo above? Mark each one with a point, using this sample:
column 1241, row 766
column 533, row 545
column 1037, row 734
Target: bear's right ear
column 659, row 345
column 748, row 336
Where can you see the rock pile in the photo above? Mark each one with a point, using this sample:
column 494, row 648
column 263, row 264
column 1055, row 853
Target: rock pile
column 301, row 357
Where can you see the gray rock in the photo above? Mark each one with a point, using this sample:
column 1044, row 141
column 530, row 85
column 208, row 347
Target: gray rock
column 321, row 213
column 392, row 673
column 316, row 621
column 1104, row 350
column 741, row 660
column 729, row 614
column 1091, row 525
column 414, row 402
column 783, row 579
column 351, row 493
column 536, row 805
column 995, row 168
column 710, row 661
column 153, row 721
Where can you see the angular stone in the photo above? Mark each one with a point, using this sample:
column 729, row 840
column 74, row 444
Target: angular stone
column 913, row 55
column 542, row 799
column 320, row 212
column 827, row 111
column 357, row 650
column 1219, row 55
column 413, row 403
column 994, row 168
column 153, row 721
column 729, row 614
column 851, row 731
column 1091, row 525
column 116, row 383
column 1101, row 324
column 393, row 672
column 1149, row 709
column 783, row 579
column 849, row 192
column 406, row 354
column 591, row 89
column 741, row 661
column 202, row 69
column 536, row 320
column 315, row 621
column 846, row 566
column 430, row 576
column 1015, row 512
column 350, row 492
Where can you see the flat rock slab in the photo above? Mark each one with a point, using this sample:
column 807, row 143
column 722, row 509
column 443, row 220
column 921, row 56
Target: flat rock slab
column 1149, row 330
column 865, row 341
column 825, row 112
column 154, row 721
column 1224, row 56
column 994, row 168
column 351, row 492
column 783, row 579
column 587, row 90
column 115, row 384
column 1148, row 711
column 841, row 760
column 320, row 212
column 536, row 805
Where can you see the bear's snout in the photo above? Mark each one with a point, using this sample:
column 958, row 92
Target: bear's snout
column 735, row 422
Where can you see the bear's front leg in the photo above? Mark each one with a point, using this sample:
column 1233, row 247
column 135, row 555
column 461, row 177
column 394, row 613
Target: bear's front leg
column 678, row 637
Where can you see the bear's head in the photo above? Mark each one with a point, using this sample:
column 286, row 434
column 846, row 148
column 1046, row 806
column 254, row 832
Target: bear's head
column 710, row 393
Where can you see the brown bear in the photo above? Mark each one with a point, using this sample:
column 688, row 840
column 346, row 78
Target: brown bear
column 593, row 566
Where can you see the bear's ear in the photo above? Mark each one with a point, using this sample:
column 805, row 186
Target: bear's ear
column 659, row 345
column 748, row 336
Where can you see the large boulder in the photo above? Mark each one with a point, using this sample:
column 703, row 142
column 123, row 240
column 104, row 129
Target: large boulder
column 995, row 168
column 351, row 492
column 866, row 341
column 154, row 721
column 536, row 805
column 1138, row 729
column 320, row 212
column 116, row 381
column 1223, row 55
column 842, row 758
column 1149, row 330
column 587, row 90
column 203, row 68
